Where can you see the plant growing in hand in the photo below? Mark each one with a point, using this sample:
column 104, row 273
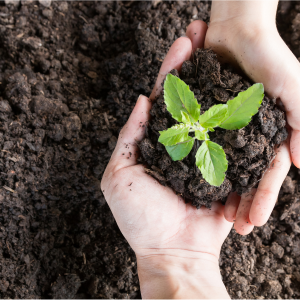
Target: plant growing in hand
column 184, row 108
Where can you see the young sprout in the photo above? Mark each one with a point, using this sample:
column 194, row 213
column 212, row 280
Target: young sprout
column 184, row 108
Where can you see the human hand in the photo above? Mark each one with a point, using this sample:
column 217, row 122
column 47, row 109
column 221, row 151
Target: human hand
column 244, row 33
column 177, row 246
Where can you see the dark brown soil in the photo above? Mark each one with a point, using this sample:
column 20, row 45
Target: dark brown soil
column 69, row 77
column 249, row 151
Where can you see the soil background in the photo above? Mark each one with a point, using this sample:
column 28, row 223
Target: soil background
column 70, row 73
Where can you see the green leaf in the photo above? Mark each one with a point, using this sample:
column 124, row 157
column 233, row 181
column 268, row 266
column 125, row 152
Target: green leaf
column 214, row 116
column 185, row 118
column 212, row 162
column 178, row 98
column 180, row 151
column 243, row 107
column 174, row 135
column 199, row 135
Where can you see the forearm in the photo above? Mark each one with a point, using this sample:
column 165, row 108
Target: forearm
column 164, row 276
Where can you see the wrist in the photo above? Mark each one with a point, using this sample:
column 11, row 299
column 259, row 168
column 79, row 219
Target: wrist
column 236, row 25
column 257, row 14
column 168, row 276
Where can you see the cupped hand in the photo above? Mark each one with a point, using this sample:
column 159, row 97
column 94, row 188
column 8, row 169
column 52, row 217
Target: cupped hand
column 157, row 223
column 244, row 33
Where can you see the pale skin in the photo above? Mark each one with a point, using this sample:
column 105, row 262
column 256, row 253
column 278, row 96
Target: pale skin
column 245, row 34
column 177, row 246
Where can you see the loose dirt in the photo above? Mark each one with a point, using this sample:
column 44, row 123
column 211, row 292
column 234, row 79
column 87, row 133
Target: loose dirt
column 70, row 74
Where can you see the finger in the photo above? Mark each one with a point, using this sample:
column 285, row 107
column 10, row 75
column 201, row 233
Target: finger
column 180, row 51
column 242, row 223
column 125, row 153
column 231, row 206
column 135, row 198
column 268, row 189
column 196, row 32
column 295, row 147
column 129, row 184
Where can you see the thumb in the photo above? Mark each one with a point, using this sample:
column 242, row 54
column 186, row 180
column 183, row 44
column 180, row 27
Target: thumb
column 288, row 90
column 125, row 153
column 272, row 63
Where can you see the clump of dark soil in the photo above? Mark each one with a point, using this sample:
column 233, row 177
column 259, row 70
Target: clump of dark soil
column 249, row 151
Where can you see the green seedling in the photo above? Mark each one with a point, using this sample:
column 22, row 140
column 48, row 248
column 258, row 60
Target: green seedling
column 184, row 108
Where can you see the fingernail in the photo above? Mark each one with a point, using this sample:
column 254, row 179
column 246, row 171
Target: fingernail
column 139, row 97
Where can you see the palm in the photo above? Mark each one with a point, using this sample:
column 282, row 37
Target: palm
column 152, row 217
column 160, row 219
column 265, row 58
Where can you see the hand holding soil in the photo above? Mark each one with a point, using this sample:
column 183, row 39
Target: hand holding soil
column 257, row 48
column 71, row 74
column 176, row 244
column 168, row 235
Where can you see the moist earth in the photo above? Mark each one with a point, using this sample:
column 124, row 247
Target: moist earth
column 70, row 74
column 249, row 151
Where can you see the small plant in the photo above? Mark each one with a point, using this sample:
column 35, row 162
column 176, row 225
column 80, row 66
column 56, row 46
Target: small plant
column 184, row 108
